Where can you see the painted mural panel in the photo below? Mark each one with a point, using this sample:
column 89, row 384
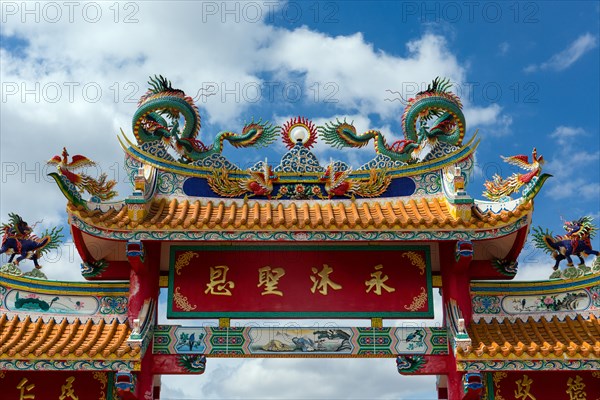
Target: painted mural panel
column 20, row 300
column 300, row 281
column 330, row 341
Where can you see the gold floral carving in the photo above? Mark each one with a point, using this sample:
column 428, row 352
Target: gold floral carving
column 2, row 375
column 182, row 301
column 184, row 260
column 103, row 379
column 416, row 260
column 498, row 376
column 596, row 374
column 419, row 301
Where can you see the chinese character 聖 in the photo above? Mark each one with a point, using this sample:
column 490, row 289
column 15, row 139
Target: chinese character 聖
column 269, row 278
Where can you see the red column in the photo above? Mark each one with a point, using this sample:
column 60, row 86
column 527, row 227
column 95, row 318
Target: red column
column 455, row 261
column 145, row 270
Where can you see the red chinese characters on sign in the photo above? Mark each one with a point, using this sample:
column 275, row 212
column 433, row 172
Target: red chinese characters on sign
column 54, row 385
column 310, row 281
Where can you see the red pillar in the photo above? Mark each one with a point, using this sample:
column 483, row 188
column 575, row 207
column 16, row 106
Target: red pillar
column 144, row 259
column 455, row 260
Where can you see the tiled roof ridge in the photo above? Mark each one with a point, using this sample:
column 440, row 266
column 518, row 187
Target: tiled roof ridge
column 421, row 213
column 577, row 337
column 20, row 336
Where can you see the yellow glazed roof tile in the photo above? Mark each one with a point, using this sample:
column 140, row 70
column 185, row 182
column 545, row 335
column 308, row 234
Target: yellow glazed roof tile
column 173, row 214
column 571, row 338
column 24, row 338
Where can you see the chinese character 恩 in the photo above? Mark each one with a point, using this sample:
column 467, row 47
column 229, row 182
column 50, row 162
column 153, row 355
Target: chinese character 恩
column 377, row 282
column 269, row 278
column 322, row 281
column 219, row 284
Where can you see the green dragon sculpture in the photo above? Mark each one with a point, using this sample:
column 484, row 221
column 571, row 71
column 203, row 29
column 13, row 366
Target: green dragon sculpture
column 161, row 100
column 436, row 101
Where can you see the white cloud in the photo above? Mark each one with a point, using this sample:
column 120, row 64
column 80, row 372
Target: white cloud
column 503, row 48
column 564, row 184
column 490, row 118
column 564, row 59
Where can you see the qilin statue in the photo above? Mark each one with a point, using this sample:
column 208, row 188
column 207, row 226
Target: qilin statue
column 437, row 101
column 163, row 101
column 499, row 188
column 18, row 239
column 576, row 241
column 100, row 189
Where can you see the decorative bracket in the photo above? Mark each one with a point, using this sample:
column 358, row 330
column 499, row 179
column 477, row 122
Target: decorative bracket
column 463, row 253
column 135, row 254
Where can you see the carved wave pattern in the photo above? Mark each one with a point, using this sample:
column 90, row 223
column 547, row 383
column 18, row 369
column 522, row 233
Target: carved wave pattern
column 216, row 161
column 66, row 365
column 170, row 183
column 157, row 149
column 381, row 162
column 299, row 159
column 527, row 365
column 429, row 183
column 131, row 168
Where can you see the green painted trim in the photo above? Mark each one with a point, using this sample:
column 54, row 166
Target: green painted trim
column 312, row 314
column 491, row 390
column 64, row 287
column 533, row 287
column 110, row 387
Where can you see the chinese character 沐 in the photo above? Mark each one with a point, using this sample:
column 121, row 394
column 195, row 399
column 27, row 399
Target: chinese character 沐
column 219, row 284
column 322, row 280
column 377, row 282
column 269, row 278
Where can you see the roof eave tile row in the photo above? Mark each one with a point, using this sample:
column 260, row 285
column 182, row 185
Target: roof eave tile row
column 423, row 213
column 572, row 338
column 77, row 339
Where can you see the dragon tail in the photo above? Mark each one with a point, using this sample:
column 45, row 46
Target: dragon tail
column 253, row 134
column 341, row 134
column 51, row 240
column 544, row 240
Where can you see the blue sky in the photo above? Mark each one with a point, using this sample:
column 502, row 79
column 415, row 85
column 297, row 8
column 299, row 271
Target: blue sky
column 527, row 73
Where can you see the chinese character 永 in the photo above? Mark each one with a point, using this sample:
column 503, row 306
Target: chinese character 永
column 67, row 391
column 524, row 388
column 377, row 282
column 322, row 280
column 219, row 284
column 269, row 278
